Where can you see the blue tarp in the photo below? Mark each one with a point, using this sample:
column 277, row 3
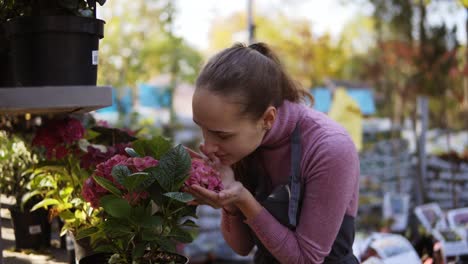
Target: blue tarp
column 364, row 98
column 154, row 96
column 322, row 98
column 125, row 102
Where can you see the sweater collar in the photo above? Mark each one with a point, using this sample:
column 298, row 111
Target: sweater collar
column 287, row 117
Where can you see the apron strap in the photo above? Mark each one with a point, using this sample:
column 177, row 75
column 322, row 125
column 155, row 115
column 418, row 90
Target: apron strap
column 295, row 179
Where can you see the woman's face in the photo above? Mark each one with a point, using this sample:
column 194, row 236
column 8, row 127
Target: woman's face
column 227, row 133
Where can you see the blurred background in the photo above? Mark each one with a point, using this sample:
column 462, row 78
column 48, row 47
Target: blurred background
column 393, row 72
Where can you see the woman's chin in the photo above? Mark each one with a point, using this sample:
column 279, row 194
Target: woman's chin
column 226, row 161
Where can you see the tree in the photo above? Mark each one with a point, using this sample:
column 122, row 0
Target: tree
column 310, row 59
column 139, row 44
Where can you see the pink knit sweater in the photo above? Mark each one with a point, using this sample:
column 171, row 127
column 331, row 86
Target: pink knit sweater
column 330, row 173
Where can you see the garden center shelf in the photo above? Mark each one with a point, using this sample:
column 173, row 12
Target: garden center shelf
column 54, row 99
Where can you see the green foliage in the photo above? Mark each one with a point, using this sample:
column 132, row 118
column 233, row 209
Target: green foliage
column 154, row 147
column 173, row 169
column 15, row 160
column 308, row 58
column 155, row 222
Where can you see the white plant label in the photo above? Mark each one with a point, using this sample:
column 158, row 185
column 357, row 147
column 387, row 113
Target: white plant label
column 35, row 229
column 95, row 57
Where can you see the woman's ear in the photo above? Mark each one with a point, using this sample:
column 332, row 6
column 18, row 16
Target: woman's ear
column 269, row 117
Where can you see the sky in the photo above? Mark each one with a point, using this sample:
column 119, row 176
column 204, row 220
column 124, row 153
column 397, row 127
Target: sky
column 194, row 17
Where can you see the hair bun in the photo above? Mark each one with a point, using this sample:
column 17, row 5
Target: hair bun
column 260, row 47
column 265, row 50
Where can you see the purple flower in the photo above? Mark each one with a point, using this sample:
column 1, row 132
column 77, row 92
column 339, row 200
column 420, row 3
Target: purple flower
column 204, row 175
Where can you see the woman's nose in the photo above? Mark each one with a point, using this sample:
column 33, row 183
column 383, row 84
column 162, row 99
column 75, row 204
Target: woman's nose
column 210, row 146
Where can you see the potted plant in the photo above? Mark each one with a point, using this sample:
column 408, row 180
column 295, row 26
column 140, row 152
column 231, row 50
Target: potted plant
column 53, row 42
column 6, row 12
column 145, row 212
column 31, row 229
column 72, row 153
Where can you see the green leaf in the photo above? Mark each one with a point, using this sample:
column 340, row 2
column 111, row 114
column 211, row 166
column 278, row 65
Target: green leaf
column 86, row 232
column 79, row 214
column 28, row 196
column 138, row 250
column 108, row 185
column 115, row 227
column 116, row 206
column 64, row 230
column 154, row 147
column 180, row 196
column 181, row 235
column 160, row 241
column 132, row 153
column 190, row 223
column 67, row 215
column 156, row 193
column 120, row 173
column 44, row 203
column 151, row 221
column 133, row 181
column 66, row 192
column 188, row 211
column 104, row 249
column 173, row 169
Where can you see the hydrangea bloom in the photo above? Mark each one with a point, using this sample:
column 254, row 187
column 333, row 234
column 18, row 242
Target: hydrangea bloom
column 204, row 175
column 92, row 191
column 56, row 134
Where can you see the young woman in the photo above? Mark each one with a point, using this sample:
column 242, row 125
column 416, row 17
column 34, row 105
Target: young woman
column 291, row 175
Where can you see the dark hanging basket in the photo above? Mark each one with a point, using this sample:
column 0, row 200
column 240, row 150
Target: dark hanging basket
column 103, row 258
column 54, row 50
column 32, row 229
column 5, row 65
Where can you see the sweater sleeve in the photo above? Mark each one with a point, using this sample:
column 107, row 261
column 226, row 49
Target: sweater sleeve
column 330, row 177
column 236, row 233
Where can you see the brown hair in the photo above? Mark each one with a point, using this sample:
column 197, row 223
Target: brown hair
column 254, row 76
column 251, row 74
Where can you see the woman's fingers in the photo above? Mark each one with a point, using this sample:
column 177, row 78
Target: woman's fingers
column 205, row 193
column 214, row 199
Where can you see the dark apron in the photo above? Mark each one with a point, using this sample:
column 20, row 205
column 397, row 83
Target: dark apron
column 284, row 203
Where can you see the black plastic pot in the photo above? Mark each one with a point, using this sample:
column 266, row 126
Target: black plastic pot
column 5, row 65
column 54, row 50
column 81, row 248
column 32, row 229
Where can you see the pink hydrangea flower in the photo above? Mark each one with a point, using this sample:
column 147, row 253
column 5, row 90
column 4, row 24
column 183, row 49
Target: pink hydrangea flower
column 139, row 164
column 204, row 175
column 56, row 136
column 92, row 191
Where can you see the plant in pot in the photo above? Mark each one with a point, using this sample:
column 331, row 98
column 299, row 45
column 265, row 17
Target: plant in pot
column 72, row 153
column 32, row 229
column 7, row 11
column 145, row 212
column 53, row 42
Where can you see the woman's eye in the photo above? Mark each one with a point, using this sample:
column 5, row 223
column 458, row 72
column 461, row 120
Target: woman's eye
column 223, row 136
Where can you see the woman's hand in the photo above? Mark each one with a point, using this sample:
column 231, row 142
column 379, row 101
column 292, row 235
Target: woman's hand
column 234, row 198
column 233, row 191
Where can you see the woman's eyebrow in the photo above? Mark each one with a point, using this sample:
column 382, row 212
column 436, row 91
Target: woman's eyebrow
column 214, row 131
